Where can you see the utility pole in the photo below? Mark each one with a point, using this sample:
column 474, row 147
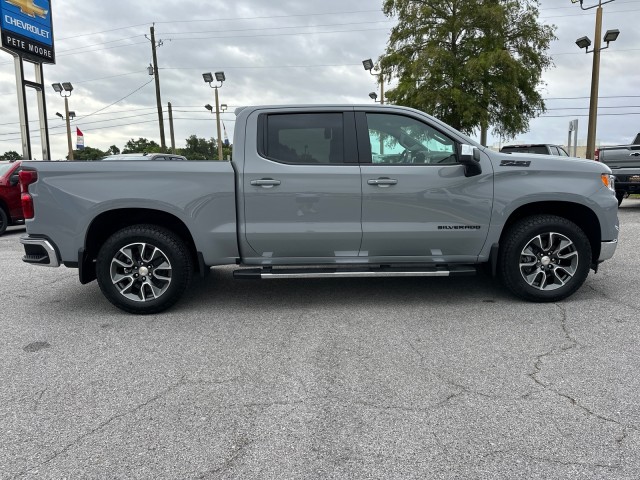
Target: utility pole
column 173, row 138
column 163, row 143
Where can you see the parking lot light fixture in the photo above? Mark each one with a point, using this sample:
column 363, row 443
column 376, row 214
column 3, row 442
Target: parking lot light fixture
column 219, row 77
column 584, row 42
column 368, row 66
column 65, row 90
column 373, row 96
column 611, row 36
column 223, row 107
column 209, row 107
column 59, row 115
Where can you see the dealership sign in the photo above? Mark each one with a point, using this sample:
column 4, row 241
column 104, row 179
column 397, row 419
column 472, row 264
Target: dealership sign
column 27, row 29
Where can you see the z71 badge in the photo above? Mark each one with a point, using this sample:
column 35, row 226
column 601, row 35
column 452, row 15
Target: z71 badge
column 515, row 163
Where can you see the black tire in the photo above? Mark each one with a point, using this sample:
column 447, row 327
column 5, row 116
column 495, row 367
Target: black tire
column 552, row 272
column 4, row 221
column 620, row 196
column 170, row 258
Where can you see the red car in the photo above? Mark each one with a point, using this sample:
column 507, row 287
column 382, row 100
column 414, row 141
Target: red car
column 10, row 204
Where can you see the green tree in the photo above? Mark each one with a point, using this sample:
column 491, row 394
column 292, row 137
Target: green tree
column 113, row 150
column 202, row 149
column 11, row 155
column 471, row 63
column 141, row 145
column 88, row 153
column 198, row 148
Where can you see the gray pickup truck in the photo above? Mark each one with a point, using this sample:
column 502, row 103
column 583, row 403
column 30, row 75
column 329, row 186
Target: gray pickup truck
column 624, row 161
column 317, row 192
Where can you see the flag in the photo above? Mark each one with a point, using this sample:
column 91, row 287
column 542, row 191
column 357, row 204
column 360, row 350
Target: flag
column 80, row 142
column 226, row 137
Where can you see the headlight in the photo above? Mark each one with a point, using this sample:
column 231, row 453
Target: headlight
column 609, row 181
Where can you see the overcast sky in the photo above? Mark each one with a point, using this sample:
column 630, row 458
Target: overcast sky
column 281, row 52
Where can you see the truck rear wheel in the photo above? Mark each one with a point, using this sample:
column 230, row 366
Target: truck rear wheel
column 143, row 269
column 544, row 258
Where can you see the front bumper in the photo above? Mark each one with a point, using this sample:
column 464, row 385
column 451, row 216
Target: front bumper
column 607, row 249
column 40, row 251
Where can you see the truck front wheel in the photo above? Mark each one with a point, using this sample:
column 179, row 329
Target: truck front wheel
column 544, row 258
column 143, row 269
column 620, row 196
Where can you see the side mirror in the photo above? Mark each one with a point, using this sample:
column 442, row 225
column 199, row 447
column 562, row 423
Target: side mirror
column 469, row 156
column 14, row 180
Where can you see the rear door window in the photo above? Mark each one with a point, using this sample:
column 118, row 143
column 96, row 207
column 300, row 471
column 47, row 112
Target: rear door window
column 304, row 138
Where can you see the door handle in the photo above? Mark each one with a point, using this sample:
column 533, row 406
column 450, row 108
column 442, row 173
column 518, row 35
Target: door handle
column 383, row 182
column 635, row 154
column 265, row 183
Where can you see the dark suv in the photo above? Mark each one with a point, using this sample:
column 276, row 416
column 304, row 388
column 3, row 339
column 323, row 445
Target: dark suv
column 539, row 148
column 10, row 204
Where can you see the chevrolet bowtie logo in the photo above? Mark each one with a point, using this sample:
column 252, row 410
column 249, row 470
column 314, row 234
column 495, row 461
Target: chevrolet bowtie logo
column 28, row 7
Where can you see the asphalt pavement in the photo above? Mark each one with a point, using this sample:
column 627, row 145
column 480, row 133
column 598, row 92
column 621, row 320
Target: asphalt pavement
column 321, row 379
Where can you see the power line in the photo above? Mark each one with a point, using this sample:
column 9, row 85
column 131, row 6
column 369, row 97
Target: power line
column 117, row 101
column 583, row 98
column 266, row 66
column 609, row 12
column 204, row 20
column 573, row 6
column 279, row 34
column 279, row 27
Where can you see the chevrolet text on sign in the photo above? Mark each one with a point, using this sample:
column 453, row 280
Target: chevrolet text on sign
column 27, row 29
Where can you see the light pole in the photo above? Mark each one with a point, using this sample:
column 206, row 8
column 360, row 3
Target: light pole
column 368, row 65
column 153, row 70
column 65, row 90
column 219, row 77
column 585, row 42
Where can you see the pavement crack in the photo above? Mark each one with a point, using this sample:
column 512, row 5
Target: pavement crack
column 409, row 409
column 570, row 344
column 617, row 301
column 38, row 400
column 104, row 424
column 565, row 463
column 440, row 377
column 245, row 443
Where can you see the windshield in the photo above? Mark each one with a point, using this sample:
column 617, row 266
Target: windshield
column 5, row 167
column 536, row 149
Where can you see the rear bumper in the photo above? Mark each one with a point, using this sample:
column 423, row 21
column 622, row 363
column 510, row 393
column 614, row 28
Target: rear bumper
column 607, row 249
column 40, row 251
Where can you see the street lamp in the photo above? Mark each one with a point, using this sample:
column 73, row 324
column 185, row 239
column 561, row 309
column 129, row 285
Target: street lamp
column 223, row 107
column 368, row 66
column 373, row 96
column 585, row 42
column 65, row 90
column 209, row 78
